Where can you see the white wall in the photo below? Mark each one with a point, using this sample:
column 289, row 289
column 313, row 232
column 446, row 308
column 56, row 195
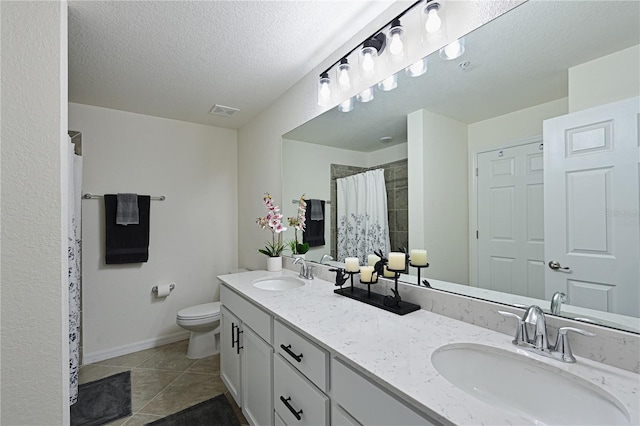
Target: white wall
column 193, row 234
column 34, row 293
column 522, row 124
column 444, row 195
column 607, row 79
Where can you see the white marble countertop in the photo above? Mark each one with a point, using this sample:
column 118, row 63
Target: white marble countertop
column 395, row 351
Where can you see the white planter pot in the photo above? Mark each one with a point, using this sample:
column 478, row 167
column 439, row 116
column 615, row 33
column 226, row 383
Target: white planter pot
column 274, row 264
column 303, row 256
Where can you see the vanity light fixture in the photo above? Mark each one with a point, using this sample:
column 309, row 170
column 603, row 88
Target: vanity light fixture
column 434, row 22
column 396, row 40
column 453, row 50
column 346, row 106
column 324, row 89
column 393, row 37
column 417, row 68
column 366, row 95
column 344, row 80
column 389, row 83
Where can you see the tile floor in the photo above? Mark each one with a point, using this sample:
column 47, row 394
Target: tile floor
column 163, row 381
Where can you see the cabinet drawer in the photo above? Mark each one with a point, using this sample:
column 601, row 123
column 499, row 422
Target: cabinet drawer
column 309, row 359
column 367, row 402
column 279, row 421
column 250, row 314
column 340, row 418
column 293, row 393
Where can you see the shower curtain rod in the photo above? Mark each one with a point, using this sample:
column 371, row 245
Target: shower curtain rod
column 89, row 196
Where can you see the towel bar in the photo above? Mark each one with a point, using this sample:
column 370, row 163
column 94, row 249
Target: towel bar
column 89, row 196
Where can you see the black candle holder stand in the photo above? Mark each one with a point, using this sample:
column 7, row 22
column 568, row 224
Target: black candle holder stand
column 388, row 303
column 368, row 283
column 419, row 267
column 351, row 274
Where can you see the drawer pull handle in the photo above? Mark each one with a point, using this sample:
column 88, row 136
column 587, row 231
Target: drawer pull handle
column 233, row 337
column 293, row 410
column 238, row 347
column 287, row 349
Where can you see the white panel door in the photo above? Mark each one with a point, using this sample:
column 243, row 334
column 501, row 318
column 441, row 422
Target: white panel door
column 230, row 354
column 257, row 376
column 510, row 220
column 591, row 200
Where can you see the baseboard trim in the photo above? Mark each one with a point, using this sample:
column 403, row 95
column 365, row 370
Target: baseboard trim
column 89, row 358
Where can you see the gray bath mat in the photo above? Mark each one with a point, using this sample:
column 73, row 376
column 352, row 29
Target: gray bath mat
column 213, row 412
column 103, row 401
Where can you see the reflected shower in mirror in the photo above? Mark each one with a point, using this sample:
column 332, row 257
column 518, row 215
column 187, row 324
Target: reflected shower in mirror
column 471, row 131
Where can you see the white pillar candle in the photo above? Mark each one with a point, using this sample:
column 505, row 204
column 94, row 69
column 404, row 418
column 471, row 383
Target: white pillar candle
column 351, row 264
column 366, row 274
column 397, row 261
column 387, row 273
column 419, row 257
column 373, row 259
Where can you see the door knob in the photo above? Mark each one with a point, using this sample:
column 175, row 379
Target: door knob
column 555, row 265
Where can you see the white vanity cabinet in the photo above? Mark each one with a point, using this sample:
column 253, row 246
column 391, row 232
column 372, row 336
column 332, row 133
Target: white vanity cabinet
column 366, row 403
column 246, row 356
column 301, row 379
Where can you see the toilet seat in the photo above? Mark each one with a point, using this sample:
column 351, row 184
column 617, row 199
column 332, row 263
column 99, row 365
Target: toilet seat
column 210, row 311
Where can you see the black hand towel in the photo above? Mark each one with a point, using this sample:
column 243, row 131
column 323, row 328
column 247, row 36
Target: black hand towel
column 126, row 244
column 314, row 234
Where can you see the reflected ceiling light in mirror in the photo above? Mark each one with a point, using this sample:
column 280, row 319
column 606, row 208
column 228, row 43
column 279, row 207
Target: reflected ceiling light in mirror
column 389, row 83
column 324, row 90
column 434, row 22
column 366, row 95
column 453, row 50
column 371, row 48
column 417, row 69
column 346, row 106
column 396, row 40
column 344, row 80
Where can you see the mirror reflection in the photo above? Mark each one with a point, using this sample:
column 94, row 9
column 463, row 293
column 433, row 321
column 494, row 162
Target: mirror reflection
column 497, row 235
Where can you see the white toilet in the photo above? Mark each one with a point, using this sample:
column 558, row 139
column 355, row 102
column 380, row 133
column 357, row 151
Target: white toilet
column 203, row 321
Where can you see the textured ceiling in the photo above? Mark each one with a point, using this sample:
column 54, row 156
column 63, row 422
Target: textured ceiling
column 518, row 60
column 176, row 59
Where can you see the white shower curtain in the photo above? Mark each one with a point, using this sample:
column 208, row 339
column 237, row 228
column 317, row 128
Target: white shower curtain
column 75, row 257
column 363, row 224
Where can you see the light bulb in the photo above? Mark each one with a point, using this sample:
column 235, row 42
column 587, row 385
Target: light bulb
column 434, row 22
column 346, row 106
column 388, row 83
column 325, row 92
column 367, row 62
column 396, row 46
column 453, row 50
column 366, row 95
column 418, row 68
column 344, row 79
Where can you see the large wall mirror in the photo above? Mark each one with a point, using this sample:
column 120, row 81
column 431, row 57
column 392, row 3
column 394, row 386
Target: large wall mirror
column 450, row 140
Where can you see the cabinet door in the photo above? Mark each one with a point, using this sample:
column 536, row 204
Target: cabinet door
column 229, row 353
column 257, row 375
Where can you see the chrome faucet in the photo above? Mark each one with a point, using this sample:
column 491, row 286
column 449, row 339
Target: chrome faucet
column 557, row 300
column 538, row 342
column 325, row 256
column 306, row 271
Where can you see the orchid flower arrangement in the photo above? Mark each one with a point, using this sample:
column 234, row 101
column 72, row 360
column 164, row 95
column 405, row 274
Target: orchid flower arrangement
column 273, row 222
column 298, row 224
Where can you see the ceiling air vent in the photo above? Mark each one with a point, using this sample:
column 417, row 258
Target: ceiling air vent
column 223, row 111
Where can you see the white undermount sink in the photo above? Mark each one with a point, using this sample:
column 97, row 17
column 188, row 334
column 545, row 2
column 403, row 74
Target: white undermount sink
column 527, row 387
column 279, row 283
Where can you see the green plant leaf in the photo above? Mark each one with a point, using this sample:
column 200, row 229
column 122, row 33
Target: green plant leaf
column 302, row 248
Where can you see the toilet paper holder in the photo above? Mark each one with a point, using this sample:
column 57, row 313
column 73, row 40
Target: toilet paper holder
column 155, row 288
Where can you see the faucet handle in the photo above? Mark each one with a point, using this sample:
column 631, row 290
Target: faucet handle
column 521, row 331
column 562, row 342
column 310, row 269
